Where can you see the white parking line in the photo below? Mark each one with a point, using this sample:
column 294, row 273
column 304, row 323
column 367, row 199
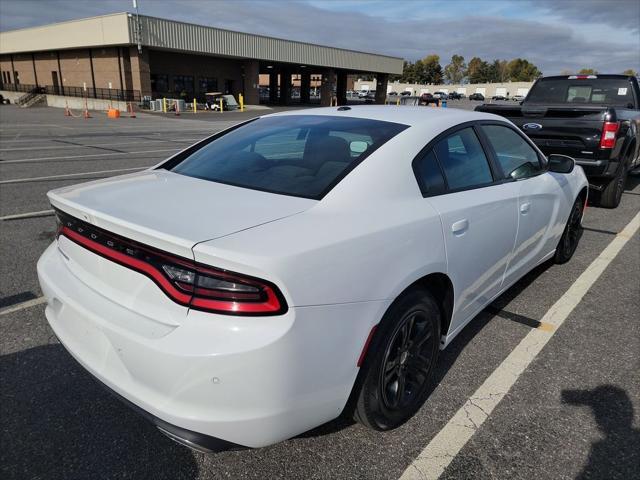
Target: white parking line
column 71, row 145
column 23, row 305
column 69, row 175
column 67, row 157
column 21, row 216
column 444, row 447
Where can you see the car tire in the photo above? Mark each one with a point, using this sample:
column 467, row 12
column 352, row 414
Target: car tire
column 611, row 194
column 571, row 235
column 395, row 376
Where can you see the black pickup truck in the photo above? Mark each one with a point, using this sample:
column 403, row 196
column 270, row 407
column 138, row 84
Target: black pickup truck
column 592, row 118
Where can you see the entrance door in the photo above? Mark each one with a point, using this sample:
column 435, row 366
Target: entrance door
column 54, row 80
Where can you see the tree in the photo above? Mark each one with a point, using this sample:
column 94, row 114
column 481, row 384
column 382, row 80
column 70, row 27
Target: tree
column 499, row 71
column 456, row 70
column 587, row 71
column 520, row 70
column 432, row 70
column 477, row 70
column 631, row 72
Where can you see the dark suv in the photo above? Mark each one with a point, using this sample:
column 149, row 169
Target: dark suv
column 427, row 98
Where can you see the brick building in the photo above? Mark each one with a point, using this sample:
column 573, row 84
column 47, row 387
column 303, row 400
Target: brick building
column 128, row 57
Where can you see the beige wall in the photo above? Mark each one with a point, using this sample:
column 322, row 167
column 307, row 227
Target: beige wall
column 487, row 89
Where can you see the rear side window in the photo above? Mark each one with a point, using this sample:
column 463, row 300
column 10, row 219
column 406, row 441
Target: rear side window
column 429, row 175
column 463, row 160
column 598, row 91
column 516, row 157
column 299, row 155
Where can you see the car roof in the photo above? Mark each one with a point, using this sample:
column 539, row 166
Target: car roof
column 406, row 115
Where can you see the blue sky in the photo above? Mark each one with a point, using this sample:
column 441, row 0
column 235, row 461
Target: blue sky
column 556, row 35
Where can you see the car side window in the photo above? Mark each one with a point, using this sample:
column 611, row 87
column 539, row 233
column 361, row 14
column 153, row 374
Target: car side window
column 429, row 175
column 463, row 160
column 517, row 158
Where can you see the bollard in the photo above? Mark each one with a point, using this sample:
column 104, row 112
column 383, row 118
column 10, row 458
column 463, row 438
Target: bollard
column 86, row 109
column 221, row 106
column 241, row 102
column 397, row 102
column 194, row 106
column 444, row 104
column 177, row 114
column 164, row 105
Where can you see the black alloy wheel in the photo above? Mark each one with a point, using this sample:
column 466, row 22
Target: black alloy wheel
column 395, row 378
column 407, row 361
column 572, row 233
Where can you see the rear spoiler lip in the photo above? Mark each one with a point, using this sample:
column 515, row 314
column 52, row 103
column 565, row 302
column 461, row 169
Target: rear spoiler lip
column 175, row 245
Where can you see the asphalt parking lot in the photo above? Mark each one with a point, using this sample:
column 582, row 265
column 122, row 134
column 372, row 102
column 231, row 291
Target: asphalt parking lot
column 572, row 413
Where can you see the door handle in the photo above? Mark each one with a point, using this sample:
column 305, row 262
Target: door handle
column 525, row 207
column 459, row 227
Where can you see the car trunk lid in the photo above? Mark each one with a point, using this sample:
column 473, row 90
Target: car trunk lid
column 158, row 209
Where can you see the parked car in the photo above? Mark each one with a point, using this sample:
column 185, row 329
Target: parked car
column 476, row 96
column 213, row 101
column 242, row 291
column 517, row 98
column 441, row 95
column 392, row 94
column 405, row 93
column 594, row 118
column 455, row 96
column 364, row 93
column 498, row 97
column 427, row 98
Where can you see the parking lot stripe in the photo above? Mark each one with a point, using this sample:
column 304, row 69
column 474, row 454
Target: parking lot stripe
column 67, row 157
column 64, row 147
column 22, row 216
column 444, row 447
column 69, row 175
column 23, row 305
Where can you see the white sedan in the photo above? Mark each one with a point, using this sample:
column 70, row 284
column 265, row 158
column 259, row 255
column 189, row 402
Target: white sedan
column 301, row 265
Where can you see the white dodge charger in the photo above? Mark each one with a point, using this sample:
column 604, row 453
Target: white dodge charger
column 301, row 265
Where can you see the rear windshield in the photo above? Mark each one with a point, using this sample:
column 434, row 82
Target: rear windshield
column 299, row 155
column 597, row 91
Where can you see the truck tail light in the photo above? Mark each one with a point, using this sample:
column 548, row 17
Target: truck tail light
column 184, row 281
column 609, row 132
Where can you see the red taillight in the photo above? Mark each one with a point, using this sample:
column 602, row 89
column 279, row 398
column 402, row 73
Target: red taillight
column 609, row 131
column 183, row 281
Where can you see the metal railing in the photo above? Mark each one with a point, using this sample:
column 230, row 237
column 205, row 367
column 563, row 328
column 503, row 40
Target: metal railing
column 18, row 87
column 99, row 93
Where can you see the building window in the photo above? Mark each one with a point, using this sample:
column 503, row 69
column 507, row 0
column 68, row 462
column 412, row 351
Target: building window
column 183, row 85
column 159, row 84
column 208, row 85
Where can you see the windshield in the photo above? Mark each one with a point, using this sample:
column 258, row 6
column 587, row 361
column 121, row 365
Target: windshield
column 299, row 155
column 598, row 91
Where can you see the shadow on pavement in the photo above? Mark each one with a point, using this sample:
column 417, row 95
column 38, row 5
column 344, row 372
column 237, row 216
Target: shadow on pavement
column 57, row 422
column 617, row 454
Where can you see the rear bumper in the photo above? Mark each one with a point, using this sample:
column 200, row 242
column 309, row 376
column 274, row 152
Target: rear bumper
column 213, row 380
column 598, row 169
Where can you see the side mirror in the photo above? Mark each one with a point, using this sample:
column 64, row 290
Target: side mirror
column 560, row 163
